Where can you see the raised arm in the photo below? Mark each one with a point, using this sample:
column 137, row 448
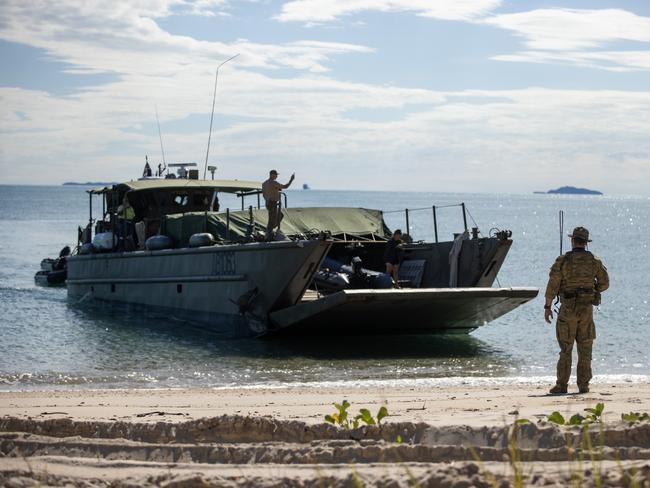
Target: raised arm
column 287, row 185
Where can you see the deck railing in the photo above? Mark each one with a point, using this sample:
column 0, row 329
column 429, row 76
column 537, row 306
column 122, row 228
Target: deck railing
column 434, row 211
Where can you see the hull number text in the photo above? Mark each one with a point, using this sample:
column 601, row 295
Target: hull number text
column 223, row 263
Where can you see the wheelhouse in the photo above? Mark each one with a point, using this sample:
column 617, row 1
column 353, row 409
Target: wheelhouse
column 152, row 199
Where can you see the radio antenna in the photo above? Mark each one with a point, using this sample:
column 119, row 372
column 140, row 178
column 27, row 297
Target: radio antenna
column 214, row 97
column 162, row 149
column 561, row 229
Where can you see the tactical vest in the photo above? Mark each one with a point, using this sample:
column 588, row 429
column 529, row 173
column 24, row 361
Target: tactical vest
column 578, row 275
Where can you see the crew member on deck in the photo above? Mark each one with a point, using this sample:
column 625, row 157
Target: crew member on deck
column 125, row 211
column 271, row 191
column 391, row 256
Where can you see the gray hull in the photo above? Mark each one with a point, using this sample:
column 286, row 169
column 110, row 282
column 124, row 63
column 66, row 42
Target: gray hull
column 232, row 289
column 421, row 311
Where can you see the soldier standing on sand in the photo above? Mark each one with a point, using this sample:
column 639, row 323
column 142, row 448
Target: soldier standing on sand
column 577, row 277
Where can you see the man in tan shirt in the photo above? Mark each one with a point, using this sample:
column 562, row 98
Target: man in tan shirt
column 271, row 190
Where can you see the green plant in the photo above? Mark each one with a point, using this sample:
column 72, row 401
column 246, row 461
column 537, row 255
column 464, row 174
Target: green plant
column 594, row 415
column 412, row 478
column 356, row 479
column 341, row 417
column 515, row 461
column 366, row 417
column 633, row 417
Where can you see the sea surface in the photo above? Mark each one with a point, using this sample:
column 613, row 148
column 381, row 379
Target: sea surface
column 48, row 343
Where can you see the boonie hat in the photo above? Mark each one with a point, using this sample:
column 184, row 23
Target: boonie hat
column 580, row 233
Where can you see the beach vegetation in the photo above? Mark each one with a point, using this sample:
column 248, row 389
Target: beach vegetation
column 514, row 459
column 356, row 479
column 585, row 462
column 342, row 418
column 634, row 417
column 413, row 480
column 593, row 415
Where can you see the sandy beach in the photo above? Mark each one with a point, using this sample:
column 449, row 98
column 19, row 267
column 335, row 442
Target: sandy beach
column 468, row 405
column 458, row 436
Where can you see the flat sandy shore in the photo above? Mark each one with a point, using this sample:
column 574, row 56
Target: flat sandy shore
column 441, row 436
column 467, row 405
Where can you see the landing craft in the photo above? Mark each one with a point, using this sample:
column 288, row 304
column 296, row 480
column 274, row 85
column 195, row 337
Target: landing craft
column 178, row 253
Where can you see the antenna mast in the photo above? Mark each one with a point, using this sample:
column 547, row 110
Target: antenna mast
column 162, row 149
column 214, row 97
column 561, row 229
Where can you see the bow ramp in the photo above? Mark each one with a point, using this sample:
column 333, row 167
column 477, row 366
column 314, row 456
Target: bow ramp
column 406, row 311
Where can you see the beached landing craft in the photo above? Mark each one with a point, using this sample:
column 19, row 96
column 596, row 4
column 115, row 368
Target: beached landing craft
column 163, row 244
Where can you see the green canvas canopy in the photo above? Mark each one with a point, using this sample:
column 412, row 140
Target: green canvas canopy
column 342, row 222
column 229, row 186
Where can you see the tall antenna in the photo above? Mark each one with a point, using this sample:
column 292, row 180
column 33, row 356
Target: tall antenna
column 214, row 97
column 162, row 149
column 561, row 229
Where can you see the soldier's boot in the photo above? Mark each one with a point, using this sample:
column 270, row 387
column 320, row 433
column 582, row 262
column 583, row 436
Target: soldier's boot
column 584, row 365
column 563, row 369
column 558, row 390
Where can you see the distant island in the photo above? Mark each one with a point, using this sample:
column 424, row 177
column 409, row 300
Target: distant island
column 570, row 190
column 88, row 183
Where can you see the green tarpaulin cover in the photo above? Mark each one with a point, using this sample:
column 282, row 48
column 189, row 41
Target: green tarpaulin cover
column 341, row 222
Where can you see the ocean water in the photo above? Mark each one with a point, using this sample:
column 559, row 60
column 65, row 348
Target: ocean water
column 48, row 343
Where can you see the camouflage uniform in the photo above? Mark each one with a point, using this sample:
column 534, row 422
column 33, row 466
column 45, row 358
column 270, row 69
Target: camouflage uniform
column 577, row 277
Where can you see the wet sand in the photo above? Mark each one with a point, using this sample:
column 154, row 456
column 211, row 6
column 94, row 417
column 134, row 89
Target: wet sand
column 459, row 436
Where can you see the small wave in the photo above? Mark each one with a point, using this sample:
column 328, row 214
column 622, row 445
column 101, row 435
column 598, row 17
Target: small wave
column 18, row 291
column 141, row 380
column 56, row 380
column 453, row 381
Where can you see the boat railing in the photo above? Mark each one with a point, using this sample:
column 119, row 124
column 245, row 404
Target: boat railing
column 434, row 211
column 258, row 194
column 407, row 214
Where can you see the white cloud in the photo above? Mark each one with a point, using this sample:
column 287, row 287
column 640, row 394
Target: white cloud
column 123, row 37
column 617, row 61
column 310, row 123
column 329, row 10
column 571, row 29
column 577, row 37
column 207, row 8
column 516, row 139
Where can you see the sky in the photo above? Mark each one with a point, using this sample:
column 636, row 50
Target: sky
column 408, row 95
